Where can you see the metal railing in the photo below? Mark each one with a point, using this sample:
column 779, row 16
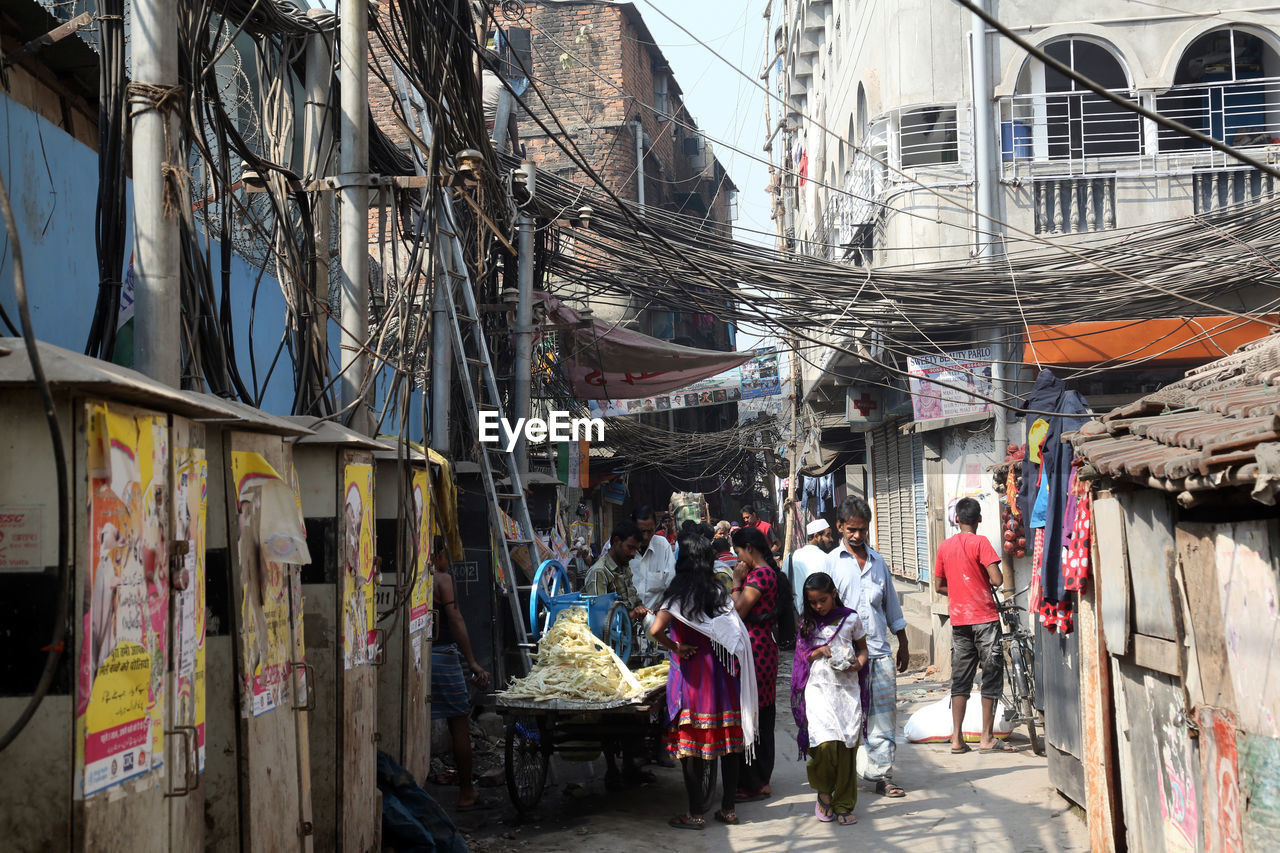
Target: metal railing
column 1242, row 113
column 1074, row 129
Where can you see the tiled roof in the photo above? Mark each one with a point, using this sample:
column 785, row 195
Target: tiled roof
column 1218, row 427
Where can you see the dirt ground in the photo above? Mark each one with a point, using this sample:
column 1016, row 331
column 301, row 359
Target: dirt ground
column 954, row 802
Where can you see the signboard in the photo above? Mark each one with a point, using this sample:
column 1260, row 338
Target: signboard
column 757, row 378
column 864, row 405
column 20, row 549
column 969, row 369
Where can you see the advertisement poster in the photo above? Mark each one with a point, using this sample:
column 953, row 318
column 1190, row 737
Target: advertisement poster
column 191, row 504
column 271, row 535
column 755, row 379
column 20, row 542
column 969, row 369
column 121, row 689
column 420, row 595
column 359, row 608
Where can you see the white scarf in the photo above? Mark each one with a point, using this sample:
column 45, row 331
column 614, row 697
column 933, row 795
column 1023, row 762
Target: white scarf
column 730, row 641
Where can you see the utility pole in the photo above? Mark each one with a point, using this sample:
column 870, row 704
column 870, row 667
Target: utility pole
column 158, row 160
column 523, row 384
column 317, row 145
column 353, row 63
column 986, row 182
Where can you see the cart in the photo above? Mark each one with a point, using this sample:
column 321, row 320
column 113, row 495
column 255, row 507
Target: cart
column 536, row 730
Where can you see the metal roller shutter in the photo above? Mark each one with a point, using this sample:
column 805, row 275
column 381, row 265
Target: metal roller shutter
column 901, row 514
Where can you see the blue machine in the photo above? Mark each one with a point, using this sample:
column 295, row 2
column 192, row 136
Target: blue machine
column 608, row 617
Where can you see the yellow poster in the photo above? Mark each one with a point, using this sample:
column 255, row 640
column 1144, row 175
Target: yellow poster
column 420, row 595
column 191, row 503
column 122, row 669
column 359, row 607
column 271, row 534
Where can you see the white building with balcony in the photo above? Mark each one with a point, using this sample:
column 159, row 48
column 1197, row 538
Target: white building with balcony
column 880, row 130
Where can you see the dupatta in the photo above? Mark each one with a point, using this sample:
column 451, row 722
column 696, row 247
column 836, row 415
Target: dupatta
column 731, row 643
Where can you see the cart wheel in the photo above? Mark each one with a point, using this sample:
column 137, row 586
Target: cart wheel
column 549, row 581
column 528, row 755
column 618, row 624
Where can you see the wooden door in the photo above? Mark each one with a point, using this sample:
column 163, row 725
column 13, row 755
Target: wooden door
column 185, row 729
column 359, row 804
column 270, row 791
column 122, row 655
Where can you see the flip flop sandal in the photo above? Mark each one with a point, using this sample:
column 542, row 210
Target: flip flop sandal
column 684, row 821
column 962, row 750
column 847, row 818
column 889, row 789
column 732, row 818
column 822, row 811
column 744, row 797
column 1000, row 746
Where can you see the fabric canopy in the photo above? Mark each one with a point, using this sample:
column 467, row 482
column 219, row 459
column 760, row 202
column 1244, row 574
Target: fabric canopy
column 607, row 362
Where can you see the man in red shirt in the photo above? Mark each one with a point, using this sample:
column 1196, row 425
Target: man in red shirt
column 967, row 568
column 750, row 518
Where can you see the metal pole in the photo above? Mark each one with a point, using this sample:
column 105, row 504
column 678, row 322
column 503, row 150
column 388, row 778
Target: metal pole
column 639, row 129
column 441, row 359
column 524, row 338
column 353, row 63
column 986, row 181
column 157, row 149
column 793, row 448
column 317, row 144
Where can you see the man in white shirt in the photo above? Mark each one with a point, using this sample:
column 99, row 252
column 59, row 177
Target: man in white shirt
column 862, row 578
column 654, row 565
column 809, row 559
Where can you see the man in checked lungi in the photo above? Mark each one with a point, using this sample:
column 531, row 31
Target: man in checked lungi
column 862, row 579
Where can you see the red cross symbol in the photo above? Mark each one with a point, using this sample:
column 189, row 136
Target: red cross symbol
column 865, row 405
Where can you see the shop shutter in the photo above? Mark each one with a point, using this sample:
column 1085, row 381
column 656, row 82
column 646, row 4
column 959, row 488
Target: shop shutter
column 923, row 569
column 899, row 483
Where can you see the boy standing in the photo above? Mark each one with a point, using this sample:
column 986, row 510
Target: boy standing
column 967, row 568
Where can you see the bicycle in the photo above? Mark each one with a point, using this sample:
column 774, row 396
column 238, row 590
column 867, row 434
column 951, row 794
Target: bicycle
column 1017, row 644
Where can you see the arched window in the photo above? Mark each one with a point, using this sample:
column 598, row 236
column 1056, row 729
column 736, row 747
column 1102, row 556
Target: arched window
column 1053, row 117
column 1226, row 84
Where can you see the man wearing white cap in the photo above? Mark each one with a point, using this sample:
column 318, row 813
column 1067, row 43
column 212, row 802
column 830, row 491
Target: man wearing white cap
column 810, row 558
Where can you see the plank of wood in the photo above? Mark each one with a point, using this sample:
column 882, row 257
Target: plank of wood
column 1150, row 540
column 1155, row 653
column 1221, row 801
column 1112, row 573
column 1259, row 764
column 1208, row 678
column 1095, row 708
column 1250, row 621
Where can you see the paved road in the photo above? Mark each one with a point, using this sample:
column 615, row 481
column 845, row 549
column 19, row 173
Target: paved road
column 954, row 803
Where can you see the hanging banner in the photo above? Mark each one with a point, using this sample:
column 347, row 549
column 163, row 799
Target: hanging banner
column 359, row 609
column 421, row 594
column 752, row 380
column 191, row 503
column 573, row 463
column 969, row 369
column 120, row 695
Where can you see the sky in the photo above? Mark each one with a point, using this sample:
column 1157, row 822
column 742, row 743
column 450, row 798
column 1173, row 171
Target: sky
column 723, row 102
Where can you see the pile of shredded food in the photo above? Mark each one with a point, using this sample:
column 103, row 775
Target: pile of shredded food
column 572, row 663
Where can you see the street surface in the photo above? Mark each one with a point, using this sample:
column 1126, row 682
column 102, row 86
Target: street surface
column 953, row 803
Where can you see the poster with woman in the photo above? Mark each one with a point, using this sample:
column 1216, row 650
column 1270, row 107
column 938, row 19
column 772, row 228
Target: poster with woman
column 359, row 613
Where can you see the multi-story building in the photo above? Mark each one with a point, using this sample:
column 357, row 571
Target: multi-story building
column 882, row 146
column 601, row 72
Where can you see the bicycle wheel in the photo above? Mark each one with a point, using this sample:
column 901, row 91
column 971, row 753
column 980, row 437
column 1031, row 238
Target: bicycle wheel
column 528, row 753
column 1023, row 690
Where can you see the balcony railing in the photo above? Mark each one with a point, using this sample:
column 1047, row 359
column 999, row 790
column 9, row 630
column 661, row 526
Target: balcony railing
column 1244, row 113
column 1073, row 129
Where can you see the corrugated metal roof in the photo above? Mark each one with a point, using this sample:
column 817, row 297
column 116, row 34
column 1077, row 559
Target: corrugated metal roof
column 1218, row 427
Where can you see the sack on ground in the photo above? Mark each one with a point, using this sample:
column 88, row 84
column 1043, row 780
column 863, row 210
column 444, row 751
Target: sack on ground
column 932, row 723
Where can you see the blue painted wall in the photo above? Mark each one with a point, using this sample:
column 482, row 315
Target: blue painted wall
column 53, row 180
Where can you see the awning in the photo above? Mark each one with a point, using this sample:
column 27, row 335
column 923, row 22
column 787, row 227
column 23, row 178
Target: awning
column 1173, row 339
column 608, row 362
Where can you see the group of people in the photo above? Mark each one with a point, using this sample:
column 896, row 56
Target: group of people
column 721, row 604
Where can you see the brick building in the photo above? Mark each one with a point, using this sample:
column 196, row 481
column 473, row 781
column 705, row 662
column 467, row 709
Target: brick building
column 597, row 65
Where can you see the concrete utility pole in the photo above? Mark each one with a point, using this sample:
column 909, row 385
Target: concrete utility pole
column 353, row 63
column 986, row 183
column 523, row 385
column 317, row 145
column 157, row 158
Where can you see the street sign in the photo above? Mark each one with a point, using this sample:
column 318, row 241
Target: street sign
column 864, row 405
